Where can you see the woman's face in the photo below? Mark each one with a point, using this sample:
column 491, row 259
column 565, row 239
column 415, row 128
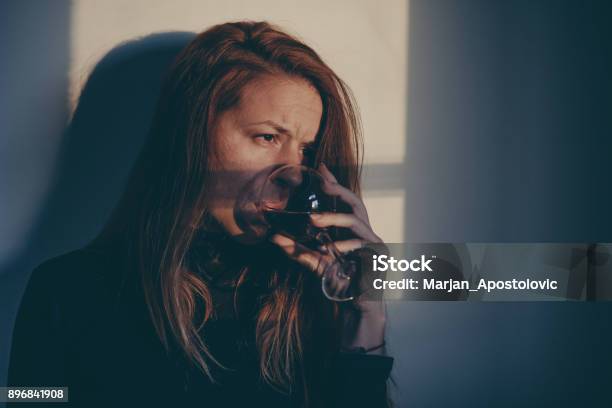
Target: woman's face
column 277, row 118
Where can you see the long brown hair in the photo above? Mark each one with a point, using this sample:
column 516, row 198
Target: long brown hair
column 165, row 201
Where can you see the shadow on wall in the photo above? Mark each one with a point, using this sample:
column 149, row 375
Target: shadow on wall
column 98, row 149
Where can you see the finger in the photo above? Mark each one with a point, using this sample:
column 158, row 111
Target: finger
column 350, row 221
column 310, row 259
column 327, row 173
column 332, row 187
column 347, row 245
column 346, row 195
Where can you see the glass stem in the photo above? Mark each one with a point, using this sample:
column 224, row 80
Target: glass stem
column 325, row 239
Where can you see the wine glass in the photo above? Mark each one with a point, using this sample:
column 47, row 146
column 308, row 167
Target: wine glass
column 288, row 196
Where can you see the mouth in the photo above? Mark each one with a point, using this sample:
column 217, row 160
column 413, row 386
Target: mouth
column 249, row 219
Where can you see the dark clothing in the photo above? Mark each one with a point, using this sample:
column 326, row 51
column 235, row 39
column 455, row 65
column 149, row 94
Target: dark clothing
column 83, row 323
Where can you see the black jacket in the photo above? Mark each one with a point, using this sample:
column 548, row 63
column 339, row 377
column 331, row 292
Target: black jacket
column 83, row 324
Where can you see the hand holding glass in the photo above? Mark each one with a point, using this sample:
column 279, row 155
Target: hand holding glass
column 288, row 197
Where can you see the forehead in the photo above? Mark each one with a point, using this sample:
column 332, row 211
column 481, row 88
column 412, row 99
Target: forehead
column 291, row 102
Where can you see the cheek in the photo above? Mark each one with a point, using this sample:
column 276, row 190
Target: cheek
column 236, row 152
column 234, row 164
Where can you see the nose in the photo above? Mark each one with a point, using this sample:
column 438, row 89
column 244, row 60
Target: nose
column 291, row 154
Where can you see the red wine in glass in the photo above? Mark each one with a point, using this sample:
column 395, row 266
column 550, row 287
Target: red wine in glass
column 287, row 198
column 294, row 224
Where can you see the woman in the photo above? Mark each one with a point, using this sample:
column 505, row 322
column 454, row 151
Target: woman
column 175, row 302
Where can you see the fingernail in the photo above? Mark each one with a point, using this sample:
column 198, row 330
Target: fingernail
column 315, row 216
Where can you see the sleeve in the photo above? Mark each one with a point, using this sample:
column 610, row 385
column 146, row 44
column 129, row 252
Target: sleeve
column 362, row 380
column 37, row 355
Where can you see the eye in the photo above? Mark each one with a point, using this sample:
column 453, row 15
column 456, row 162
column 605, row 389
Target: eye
column 266, row 137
